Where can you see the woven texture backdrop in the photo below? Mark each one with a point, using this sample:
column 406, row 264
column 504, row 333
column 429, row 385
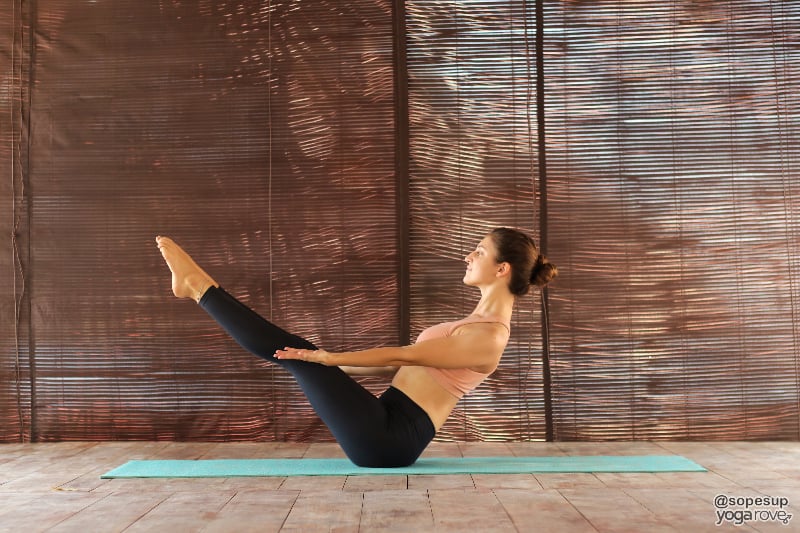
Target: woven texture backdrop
column 262, row 136
column 672, row 134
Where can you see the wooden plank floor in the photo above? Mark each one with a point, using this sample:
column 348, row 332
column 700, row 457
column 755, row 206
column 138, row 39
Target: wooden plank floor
column 57, row 488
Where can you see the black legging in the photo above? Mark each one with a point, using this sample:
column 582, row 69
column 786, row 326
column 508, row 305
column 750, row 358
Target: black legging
column 388, row 431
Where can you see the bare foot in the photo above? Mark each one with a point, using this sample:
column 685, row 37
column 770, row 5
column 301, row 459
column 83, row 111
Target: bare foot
column 188, row 279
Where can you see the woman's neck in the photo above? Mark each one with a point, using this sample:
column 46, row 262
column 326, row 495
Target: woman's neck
column 495, row 301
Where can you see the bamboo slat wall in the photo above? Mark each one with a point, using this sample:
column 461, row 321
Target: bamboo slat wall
column 265, row 136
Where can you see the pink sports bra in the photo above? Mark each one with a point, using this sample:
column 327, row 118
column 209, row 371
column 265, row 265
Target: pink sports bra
column 456, row 381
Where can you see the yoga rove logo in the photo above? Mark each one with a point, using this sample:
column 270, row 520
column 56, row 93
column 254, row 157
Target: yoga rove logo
column 739, row 510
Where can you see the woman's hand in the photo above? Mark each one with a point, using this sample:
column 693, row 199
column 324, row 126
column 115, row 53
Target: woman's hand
column 312, row 356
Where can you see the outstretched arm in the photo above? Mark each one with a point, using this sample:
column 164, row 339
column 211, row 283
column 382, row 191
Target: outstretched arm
column 477, row 346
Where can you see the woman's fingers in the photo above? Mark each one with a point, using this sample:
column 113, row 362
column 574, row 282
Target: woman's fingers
column 314, row 356
column 294, row 353
column 287, row 353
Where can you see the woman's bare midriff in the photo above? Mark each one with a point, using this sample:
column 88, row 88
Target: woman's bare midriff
column 416, row 383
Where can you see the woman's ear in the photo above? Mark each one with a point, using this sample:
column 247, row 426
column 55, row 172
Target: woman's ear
column 503, row 269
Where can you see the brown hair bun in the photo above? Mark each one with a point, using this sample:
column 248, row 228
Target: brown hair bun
column 543, row 272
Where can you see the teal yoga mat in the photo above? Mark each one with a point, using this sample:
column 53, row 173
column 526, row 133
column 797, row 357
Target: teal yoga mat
column 432, row 465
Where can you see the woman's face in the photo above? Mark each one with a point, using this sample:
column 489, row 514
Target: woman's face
column 482, row 267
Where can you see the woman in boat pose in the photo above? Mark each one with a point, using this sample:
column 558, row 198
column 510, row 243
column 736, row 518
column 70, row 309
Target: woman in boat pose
column 429, row 377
